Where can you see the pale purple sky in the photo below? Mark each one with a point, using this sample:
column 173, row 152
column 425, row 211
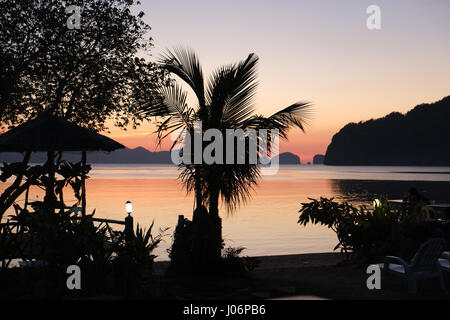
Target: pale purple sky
column 319, row 51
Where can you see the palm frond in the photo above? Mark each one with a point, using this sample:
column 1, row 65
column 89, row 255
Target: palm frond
column 296, row 115
column 173, row 108
column 235, row 183
column 231, row 92
column 216, row 96
column 175, row 102
column 185, row 64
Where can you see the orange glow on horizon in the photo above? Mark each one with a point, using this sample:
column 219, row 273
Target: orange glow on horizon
column 305, row 145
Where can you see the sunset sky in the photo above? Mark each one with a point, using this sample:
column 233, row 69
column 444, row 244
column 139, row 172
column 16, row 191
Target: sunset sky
column 317, row 51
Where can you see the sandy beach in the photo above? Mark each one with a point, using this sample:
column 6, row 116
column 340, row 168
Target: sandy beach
column 302, row 277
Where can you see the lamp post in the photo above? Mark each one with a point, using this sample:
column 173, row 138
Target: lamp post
column 129, row 233
column 129, row 207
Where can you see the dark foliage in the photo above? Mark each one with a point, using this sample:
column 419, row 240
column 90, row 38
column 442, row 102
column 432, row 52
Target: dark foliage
column 234, row 264
column 192, row 239
column 86, row 75
column 111, row 261
column 368, row 235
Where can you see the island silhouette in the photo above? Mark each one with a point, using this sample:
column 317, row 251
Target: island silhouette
column 421, row 137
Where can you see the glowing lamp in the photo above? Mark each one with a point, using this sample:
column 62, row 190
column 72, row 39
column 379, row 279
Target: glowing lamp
column 377, row 203
column 129, row 207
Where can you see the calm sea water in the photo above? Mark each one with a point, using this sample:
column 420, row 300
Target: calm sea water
column 267, row 224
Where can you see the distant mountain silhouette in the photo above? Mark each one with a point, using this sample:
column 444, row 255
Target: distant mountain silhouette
column 420, row 137
column 138, row 155
column 289, row 158
column 318, row 159
column 133, row 156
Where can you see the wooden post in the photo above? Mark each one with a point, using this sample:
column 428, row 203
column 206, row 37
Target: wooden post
column 83, row 184
column 50, row 198
column 180, row 223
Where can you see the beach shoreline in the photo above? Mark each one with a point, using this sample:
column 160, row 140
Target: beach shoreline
column 301, row 277
column 285, row 261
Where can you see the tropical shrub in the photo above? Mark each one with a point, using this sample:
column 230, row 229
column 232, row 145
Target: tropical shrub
column 363, row 233
column 110, row 262
column 138, row 251
column 51, row 232
column 234, row 264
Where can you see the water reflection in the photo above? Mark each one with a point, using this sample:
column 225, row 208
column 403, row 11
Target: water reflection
column 267, row 224
column 360, row 191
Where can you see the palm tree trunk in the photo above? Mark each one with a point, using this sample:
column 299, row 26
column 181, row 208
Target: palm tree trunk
column 215, row 222
column 198, row 190
column 214, row 202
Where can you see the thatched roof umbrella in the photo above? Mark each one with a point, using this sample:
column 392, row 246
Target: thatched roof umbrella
column 51, row 133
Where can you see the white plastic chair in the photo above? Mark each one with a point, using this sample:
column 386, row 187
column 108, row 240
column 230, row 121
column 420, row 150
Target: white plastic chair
column 424, row 265
column 33, row 263
column 444, row 261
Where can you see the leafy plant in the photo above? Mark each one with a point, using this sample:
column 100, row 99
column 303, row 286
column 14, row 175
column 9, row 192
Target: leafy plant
column 23, row 176
column 110, row 262
column 139, row 250
column 361, row 232
column 59, row 239
column 71, row 173
column 233, row 264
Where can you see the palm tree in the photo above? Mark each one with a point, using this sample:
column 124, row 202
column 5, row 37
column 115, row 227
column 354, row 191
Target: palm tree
column 226, row 101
